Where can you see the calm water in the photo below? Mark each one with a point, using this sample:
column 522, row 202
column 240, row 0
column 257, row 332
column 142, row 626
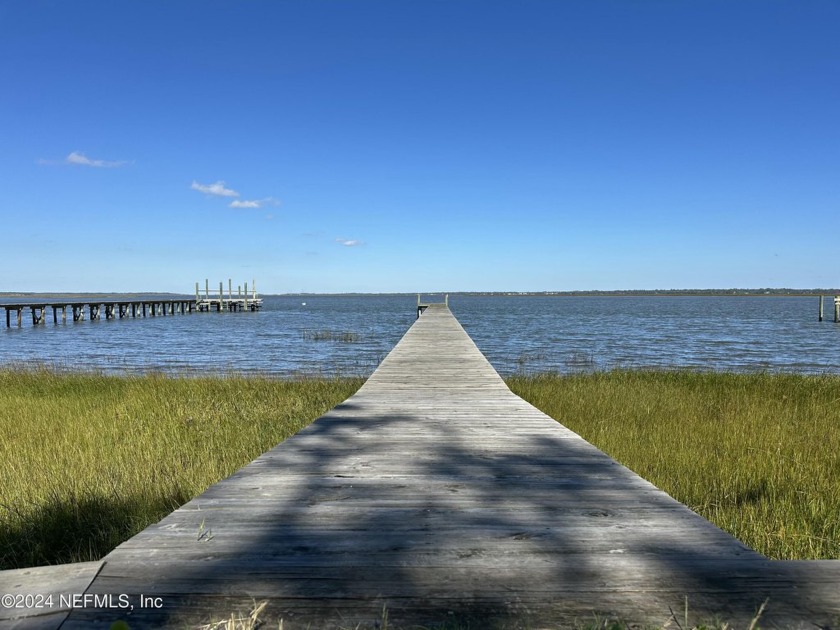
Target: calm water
column 517, row 334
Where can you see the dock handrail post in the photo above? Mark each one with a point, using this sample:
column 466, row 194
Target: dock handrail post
column 221, row 296
column 206, row 289
column 196, row 292
column 821, row 309
column 246, row 296
column 446, row 299
column 254, row 287
column 418, row 299
column 230, row 290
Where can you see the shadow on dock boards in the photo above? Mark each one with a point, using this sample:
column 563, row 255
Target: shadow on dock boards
column 454, row 505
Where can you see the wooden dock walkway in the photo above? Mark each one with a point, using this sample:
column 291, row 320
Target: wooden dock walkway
column 437, row 495
column 112, row 309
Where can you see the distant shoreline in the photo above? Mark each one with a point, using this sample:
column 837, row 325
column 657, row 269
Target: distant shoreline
column 764, row 292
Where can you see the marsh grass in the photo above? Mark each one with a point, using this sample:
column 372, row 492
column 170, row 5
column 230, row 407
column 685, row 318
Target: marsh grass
column 89, row 460
column 756, row 454
column 331, row 335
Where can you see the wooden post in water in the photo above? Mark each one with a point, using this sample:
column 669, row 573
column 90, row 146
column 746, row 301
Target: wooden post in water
column 837, row 309
column 63, row 313
column 221, row 296
column 821, row 308
column 20, row 317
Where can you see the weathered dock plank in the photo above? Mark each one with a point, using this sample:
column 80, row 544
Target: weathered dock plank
column 436, row 493
column 40, row 598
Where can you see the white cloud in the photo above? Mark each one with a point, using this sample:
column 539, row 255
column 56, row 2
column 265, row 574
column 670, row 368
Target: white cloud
column 218, row 189
column 79, row 158
column 254, row 203
column 245, row 204
column 348, row 242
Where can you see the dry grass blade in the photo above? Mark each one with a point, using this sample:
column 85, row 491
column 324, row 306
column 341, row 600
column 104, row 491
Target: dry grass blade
column 249, row 622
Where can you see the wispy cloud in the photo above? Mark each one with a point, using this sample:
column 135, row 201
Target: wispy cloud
column 254, row 203
column 218, row 189
column 348, row 242
column 80, row 159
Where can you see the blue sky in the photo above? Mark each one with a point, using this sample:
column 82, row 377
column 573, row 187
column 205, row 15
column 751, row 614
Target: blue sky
column 419, row 145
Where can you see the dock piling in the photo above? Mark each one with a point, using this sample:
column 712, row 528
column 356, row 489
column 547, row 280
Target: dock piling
column 39, row 314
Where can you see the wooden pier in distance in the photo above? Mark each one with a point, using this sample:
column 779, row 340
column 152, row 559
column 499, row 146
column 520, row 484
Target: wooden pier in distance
column 122, row 308
column 111, row 309
column 438, row 496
